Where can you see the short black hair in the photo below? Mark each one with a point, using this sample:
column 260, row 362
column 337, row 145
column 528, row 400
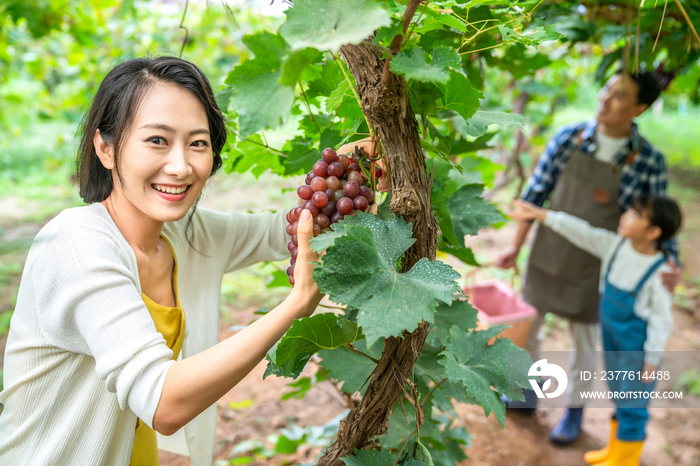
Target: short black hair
column 648, row 84
column 662, row 212
column 115, row 105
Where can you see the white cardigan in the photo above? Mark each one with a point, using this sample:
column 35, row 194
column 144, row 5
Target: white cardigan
column 83, row 358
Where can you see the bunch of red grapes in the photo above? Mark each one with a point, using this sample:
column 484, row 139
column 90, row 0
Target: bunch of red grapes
column 336, row 187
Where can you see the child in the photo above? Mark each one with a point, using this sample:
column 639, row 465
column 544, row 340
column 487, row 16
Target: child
column 635, row 307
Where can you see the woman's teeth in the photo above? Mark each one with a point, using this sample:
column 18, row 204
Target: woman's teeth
column 170, row 190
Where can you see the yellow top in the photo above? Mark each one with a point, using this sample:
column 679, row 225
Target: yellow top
column 170, row 322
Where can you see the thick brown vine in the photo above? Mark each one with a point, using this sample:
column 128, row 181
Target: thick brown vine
column 389, row 111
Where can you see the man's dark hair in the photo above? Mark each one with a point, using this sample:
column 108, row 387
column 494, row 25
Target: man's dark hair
column 115, row 106
column 648, row 84
column 662, row 212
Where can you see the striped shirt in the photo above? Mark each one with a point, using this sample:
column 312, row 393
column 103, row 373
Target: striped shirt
column 645, row 173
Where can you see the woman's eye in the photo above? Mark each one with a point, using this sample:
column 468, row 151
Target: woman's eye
column 156, row 140
column 200, row 144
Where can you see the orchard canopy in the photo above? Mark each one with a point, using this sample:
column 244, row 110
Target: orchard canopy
column 431, row 83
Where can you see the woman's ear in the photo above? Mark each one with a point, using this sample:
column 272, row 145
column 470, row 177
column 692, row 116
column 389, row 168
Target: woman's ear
column 104, row 151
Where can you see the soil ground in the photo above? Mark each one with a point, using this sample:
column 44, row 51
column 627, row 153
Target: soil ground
column 253, row 410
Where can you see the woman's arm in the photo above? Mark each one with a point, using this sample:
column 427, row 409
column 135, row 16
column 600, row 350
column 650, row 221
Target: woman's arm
column 195, row 383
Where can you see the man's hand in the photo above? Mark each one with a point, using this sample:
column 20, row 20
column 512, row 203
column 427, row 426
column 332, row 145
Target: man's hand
column 507, row 258
column 671, row 278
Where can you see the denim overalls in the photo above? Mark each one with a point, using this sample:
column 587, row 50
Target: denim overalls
column 624, row 335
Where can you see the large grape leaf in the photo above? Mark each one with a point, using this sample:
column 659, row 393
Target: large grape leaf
column 301, row 156
column 479, row 123
column 295, row 63
column 328, row 24
column 459, row 95
column 351, row 368
column 411, row 63
column 338, row 95
column 459, row 313
column 260, row 99
column 360, row 269
column 251, row 155
column 306, row 337
column 370, row 458
column 469, row 359
column 470, row 212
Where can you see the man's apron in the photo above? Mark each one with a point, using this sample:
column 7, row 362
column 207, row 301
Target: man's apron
column 560, row 277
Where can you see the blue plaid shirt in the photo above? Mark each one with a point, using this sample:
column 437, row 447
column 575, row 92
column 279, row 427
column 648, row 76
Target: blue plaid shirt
column 646, row 173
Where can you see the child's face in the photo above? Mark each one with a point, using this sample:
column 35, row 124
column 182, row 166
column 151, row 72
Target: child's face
column 636, row 226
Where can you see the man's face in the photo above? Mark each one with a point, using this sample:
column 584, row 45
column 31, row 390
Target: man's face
column 617, row 101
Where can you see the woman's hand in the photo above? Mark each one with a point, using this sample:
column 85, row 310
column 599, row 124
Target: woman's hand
column 305, row 288
column 527, row 211
column 383, row 183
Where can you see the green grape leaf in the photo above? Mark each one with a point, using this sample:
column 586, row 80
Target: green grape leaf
column 338, row 95
column 370, row 458
column 302, row 155
column 470, row 212
column 460, row 96
column 295, row 63
column 411, row 63
column 250, row 155
column 327, row 82
column 423, row 97
column 466, row 255
column 351, row 368
column 536, row 37
column 278, row 279
column 469, row 359
column 479, row 123
column 306, row 337
column 360, row 270
column 459, row 313
column 328, row 24
column 260, row 99
column 351, row 132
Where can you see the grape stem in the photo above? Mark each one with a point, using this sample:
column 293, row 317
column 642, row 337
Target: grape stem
column 354, row 350
column 283, row 154
column 404, row 446
column 306, row 101
column 354, row 91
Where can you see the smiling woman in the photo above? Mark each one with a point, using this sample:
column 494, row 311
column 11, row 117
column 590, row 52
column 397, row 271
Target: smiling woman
column 114, row 336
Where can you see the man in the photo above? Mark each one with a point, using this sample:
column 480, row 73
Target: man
column 591, row 170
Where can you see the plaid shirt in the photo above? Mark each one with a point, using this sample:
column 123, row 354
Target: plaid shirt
column 645, row 174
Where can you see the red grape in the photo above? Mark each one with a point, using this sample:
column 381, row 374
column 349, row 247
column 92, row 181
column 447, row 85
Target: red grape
column 317, row 230
column 344, row 205
column 305, row 192
column 321, row 168
column 291, row 246
column 322, row 220
column 333, row 182
column 294, row 227
column 295, row 253
column 310, row 176
column 329, row 155
column 309, row 205
column 294, row 240
column 338, row 195
column 336, row 169
column 336, row 217
column 329, row 208
column 356, row 177
column 367, row 192
column 351, row 189
column 319, row 199
column 297, row 213
column 329, row 192
column 378, row 172
column 291, row 279
column 360, row 203
column 289, row 228
column 290, row 270
column 353, row 167
column 318, row 184
column 344, row 161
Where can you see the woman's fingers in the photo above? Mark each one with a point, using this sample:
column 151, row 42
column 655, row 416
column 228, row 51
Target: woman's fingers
column 303, row 269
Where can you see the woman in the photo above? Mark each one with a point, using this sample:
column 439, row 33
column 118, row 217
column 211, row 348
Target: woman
column 111, row 291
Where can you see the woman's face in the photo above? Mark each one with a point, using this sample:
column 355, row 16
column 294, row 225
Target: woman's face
column 166, row 157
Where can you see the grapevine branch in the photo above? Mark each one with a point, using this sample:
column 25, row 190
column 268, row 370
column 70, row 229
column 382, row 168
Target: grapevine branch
column 395, row 46
column 182, row 26
column 308, row 107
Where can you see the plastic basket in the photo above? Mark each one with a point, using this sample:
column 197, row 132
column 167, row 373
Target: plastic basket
column 498, row 304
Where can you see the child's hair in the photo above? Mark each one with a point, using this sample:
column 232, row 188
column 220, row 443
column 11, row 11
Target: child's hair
column 662, row 212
